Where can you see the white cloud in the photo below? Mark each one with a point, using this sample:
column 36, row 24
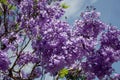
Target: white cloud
column 75, row 6
column 93, row 1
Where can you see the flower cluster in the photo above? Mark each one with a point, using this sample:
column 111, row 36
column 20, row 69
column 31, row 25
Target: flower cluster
column 103, row 48
column 36, row 14
column 116, row 77
column 111, row 38
column 89, row 29
column 51, row 46
column 4, row 61
column 25, row 58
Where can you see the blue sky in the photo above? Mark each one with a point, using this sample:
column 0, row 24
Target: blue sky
column 110, row 14
column 110, row 9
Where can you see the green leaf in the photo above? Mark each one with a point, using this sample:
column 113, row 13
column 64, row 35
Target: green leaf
column 11, row 7
column 17, row 26
column 63, row 73
column 0, row 13
column 3, row 1
column 64, row 5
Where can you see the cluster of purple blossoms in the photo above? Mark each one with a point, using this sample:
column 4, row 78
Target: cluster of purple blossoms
column 104, row 51
column 116, row 77
column 10, row 42
column 4, row 61
column 36, row 14
column 52, row 45
column 25, row 58
column 111, row 38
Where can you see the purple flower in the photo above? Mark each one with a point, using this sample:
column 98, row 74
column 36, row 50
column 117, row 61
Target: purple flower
column 4, row 61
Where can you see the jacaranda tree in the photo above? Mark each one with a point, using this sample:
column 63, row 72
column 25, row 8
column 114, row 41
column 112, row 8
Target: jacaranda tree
column 32, row 35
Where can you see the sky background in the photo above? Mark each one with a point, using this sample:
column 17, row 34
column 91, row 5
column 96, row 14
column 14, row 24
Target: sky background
column 110, row 14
